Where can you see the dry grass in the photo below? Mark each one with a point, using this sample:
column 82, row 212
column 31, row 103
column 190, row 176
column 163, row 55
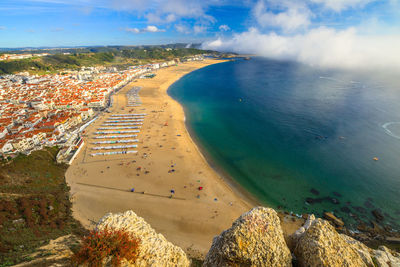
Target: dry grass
column 113, row 245
column 34, row 205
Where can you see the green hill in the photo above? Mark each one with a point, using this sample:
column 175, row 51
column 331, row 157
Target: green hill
column 109, row 56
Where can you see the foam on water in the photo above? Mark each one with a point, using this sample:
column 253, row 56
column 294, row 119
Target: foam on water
column 388, row 131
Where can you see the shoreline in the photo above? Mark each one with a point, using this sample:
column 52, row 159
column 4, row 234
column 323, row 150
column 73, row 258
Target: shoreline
column 290, row 222
column 224, row 176
column 168, row 159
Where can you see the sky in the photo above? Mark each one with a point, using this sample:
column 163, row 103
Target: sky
column 345, row 33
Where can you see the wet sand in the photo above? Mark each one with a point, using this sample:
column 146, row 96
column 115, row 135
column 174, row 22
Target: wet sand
column 168, row 160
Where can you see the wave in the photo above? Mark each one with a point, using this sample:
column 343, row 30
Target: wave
column 331, row 79
column 388, row 131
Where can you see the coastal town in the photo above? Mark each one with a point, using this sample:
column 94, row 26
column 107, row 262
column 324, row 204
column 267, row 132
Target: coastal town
column 54, row 109
column 184, row 133
column 22, row 56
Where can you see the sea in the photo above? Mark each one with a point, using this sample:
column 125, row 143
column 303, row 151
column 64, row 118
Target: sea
column 299, row 138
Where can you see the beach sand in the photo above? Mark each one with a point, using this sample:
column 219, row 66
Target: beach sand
column 168, row 160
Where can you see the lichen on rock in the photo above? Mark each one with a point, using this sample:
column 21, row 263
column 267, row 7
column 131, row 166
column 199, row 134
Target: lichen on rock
column 255, row 239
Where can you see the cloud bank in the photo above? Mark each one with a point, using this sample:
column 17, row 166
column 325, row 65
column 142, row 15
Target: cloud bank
column 321, row 47
column 290, row 30
column 292, row 16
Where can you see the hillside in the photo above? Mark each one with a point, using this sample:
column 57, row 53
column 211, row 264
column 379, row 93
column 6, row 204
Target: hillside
column 34, row 204
column 94, row 57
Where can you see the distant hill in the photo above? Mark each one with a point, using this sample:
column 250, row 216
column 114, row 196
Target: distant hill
column 74, row 58
column 86, row 49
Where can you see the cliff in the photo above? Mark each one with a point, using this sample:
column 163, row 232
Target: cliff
column 255, row 239
column 317, row 243
column 154, row 250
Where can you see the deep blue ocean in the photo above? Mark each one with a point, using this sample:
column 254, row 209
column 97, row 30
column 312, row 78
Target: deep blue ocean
column 298, row 138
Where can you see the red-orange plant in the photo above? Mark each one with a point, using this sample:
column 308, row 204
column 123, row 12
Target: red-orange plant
column 98, row 245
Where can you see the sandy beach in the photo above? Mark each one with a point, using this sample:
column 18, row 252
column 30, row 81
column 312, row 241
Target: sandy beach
column 167, row 159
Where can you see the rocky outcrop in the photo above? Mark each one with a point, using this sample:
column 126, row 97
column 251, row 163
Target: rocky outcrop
column 255, row 239
column 318, row 244
column 154, row 249
column 299, row 233
column 384, row 257
column 321, row 245
column 330, row 217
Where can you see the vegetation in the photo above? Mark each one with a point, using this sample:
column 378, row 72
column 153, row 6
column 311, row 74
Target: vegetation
column 34, row 205
column 100, row 245
column 21, row 65
column 108, row 56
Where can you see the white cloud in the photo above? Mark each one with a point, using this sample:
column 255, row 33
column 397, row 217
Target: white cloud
column 152, row 28
column 182, row 28
column 167, row 11
column 199, row 29
column 224, row 28
column 187, row 29
column 322, row 47
column 170, row 18
column 340, row 5
column 132, row 30
column 160, row 19
column 2, row 28
column 149, row 28
column 292, row 15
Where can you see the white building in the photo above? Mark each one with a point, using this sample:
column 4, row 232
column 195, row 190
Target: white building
column 3, row 132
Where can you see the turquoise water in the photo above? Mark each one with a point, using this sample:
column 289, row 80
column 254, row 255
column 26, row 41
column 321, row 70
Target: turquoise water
column 300, row 139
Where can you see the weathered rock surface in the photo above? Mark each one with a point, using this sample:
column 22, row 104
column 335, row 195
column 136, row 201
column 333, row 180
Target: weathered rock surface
column 384, row 257
column 329, row 216
column 321, row 245
column 360, row 248
column 154, row 249
column 318, row 244
column 255, row 239
column 300, row 232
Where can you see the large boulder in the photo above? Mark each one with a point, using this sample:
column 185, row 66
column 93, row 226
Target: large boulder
column 384, row 257
column 255, row 239
column 154, row 249
column 330, row 217
column 362, row 250
column 321, row 245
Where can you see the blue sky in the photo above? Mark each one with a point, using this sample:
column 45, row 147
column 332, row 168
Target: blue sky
column 132, row 22
column 326, row 33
